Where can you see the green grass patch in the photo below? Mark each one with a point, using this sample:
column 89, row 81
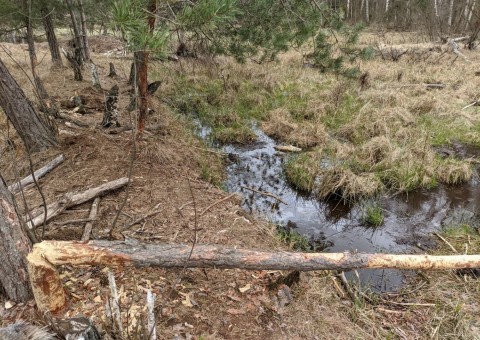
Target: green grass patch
column 372, row 214
column 301, row 170
column 445, row 130
column 293, row 239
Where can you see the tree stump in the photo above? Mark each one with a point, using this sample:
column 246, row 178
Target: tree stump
column 110, row 116
column 113, row 72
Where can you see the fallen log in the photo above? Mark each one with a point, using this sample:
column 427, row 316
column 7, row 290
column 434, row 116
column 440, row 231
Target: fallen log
column 16, row 187
column 49, row 293
column 71, row 199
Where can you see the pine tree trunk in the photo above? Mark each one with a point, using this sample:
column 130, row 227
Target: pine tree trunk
column 14, row 248
column 51, row 37
column 83, row 20
column 30, row 127
column 142, row 83
column 142, row 80
column 76, row 31
column 39, row 87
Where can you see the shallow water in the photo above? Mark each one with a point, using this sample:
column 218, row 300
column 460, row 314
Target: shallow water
column 409, row 219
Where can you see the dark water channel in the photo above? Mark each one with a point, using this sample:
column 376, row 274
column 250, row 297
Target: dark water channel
column 409, row 219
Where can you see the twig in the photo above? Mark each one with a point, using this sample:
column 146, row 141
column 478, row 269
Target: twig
column 140, row 219
column 127, row 191
column 476, row 102
column 446, row 242
column 269, row 194
column 414, row 304
column 184, row 205
column 337, row 287
column 346, row 286
column 215, row 203
column 80, row 220
column 93, row 214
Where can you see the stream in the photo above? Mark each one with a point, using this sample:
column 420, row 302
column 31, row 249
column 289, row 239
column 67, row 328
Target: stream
column 409, row 222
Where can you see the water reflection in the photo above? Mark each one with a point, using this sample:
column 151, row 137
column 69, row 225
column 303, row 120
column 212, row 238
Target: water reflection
column 409, row 219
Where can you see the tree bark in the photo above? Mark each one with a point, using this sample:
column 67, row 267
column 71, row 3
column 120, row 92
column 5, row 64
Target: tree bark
column 39, row 87
column 14, row 248
column 75, row 63
column 142, row 81
column 83, row 21
column 51, row 37
column 49, row 293
column 110, row 115
column 76, row 31
column 31, row 128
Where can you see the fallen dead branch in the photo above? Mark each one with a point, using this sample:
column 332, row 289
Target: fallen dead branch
column 16, row 187
column 71, row 199
column 49, row 293
column 80, row 220
column 89, row 225
column 264, row 193
column 141, row 218
column 446, row 242
column 215, row 203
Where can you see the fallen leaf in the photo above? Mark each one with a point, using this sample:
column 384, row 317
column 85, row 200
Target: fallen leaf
column 9, row 304
column 246, row 288
column 187, row 302
column 98, row 298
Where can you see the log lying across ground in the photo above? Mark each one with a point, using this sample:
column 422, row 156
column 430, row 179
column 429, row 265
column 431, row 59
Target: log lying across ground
column 49, row 293
column 71, row 199
column 16, row 187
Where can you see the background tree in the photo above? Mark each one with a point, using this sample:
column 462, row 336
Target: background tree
column 35, row 132
column 49, row 27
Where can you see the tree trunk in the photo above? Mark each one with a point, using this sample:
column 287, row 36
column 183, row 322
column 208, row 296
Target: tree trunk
column 39, row 87
column 14, row 248
column 83, row 20
column 51, row 37
column 76, row 31
column 49, row 293
column 450, row 14
column 142, row 83
column 110, row 115
column 31, row 128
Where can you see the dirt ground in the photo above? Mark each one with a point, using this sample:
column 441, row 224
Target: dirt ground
column 170, row 173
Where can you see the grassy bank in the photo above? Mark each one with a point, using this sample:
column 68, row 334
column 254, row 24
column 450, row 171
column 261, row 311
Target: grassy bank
column 361, row 136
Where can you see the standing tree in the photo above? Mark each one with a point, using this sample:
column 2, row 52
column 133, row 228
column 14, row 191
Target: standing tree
column 51, row 36
column 79, row 42
column 136, row 21
column 14, row 248
column 39, row 87
column 32, row 129
column 256, row 30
